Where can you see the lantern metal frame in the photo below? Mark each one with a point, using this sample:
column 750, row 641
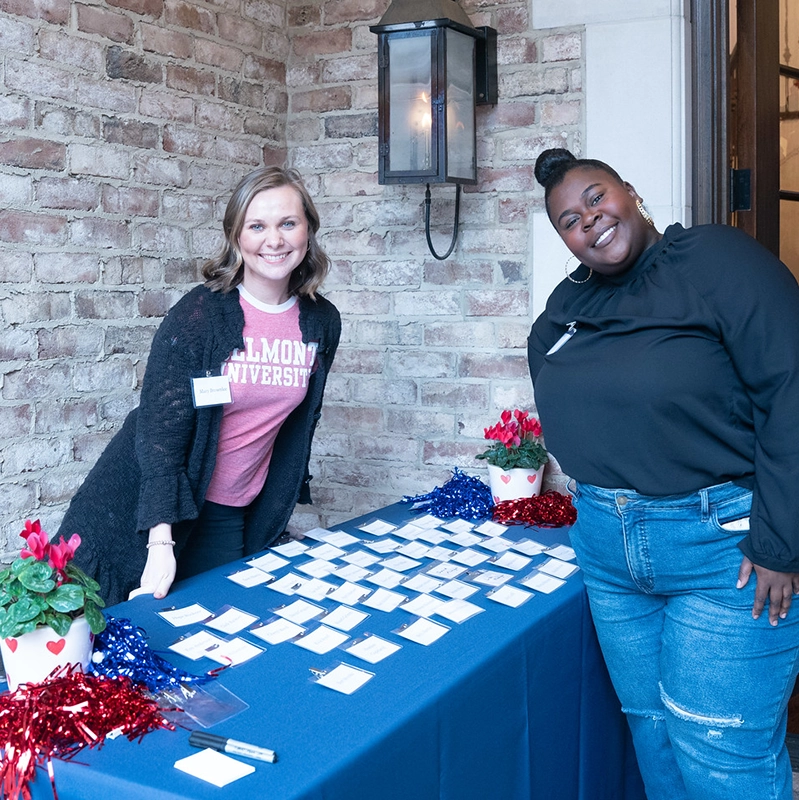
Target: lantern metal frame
column 434, row 20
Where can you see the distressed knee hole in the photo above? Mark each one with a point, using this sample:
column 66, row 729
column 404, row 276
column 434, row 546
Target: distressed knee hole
column 656, row 716
column 701, row 719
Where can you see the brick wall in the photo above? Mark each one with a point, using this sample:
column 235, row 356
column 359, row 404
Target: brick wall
column 123, row 126
column 432, row 351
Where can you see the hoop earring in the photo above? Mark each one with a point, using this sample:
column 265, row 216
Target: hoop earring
column 590, row 271
column 645, row 214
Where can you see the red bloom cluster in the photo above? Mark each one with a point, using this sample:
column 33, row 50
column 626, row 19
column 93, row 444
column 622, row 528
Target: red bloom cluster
column 40, row 548
column 513, row 428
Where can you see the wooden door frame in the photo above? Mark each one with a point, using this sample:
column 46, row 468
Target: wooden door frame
column 757, row 133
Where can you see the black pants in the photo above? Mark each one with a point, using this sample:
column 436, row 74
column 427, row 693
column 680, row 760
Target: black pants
column 217, row 538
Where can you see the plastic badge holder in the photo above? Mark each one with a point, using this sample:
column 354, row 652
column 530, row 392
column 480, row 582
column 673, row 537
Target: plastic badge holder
column 207, row 705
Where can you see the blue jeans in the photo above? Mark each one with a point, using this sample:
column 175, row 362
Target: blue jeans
column 704, row 686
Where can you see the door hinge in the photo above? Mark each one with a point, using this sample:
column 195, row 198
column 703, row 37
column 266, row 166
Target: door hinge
column 740, row 190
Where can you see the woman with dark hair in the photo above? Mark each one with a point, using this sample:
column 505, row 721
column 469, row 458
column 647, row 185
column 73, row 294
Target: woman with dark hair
column 211, row 464
column 666, row 374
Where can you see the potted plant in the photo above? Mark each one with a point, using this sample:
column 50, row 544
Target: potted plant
column 49, row 609
column 516, row 458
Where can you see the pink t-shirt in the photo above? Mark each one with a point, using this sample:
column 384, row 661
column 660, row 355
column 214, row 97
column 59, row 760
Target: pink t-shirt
column 268, row 380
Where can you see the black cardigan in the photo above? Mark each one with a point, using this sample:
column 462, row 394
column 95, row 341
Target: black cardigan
column 158, row 467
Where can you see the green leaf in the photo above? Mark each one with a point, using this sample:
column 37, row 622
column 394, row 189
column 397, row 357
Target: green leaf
column 37, row 577
column 60, row 623
column 94, row 617
column 24, row 609
column 67, row 597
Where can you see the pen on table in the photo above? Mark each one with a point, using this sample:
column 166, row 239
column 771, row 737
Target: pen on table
column 225, row 745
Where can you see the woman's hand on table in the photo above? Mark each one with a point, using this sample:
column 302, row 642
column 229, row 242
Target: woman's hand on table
column 776, row 587
column 159, row 571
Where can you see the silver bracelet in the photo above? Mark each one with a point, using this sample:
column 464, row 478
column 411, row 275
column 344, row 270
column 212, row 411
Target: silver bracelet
column 160, row 541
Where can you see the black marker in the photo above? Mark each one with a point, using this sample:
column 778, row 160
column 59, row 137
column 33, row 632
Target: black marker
column 224, row 745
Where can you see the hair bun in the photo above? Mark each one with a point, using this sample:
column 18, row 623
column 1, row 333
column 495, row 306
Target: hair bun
column 551, row 164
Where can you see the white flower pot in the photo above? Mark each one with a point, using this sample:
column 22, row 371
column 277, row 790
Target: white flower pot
column 30, row 658
column 514, row 483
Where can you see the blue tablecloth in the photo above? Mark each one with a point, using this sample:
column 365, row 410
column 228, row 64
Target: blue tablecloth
column 513, row 703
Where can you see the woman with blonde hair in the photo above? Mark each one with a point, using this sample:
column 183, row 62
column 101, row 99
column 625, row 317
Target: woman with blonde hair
column 211, row 464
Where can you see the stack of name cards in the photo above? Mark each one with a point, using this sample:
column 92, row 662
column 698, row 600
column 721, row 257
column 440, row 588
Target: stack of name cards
column 324, row 588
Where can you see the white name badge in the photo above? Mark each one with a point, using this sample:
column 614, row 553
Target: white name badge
column 211, row 391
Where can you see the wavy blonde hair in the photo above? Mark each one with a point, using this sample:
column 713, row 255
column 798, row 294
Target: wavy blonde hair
column 225, row 270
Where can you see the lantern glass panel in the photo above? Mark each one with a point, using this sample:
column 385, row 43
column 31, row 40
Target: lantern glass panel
column 461, row 157
column 411, row 106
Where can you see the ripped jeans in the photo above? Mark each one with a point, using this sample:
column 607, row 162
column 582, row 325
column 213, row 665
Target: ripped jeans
column 704, row 686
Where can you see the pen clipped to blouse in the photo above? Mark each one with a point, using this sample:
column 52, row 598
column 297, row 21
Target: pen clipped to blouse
column 235, row 748
column 563, row 339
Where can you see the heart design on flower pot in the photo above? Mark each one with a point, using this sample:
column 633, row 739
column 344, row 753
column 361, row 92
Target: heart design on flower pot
column 532, row 478
column 12, row 645
column 496, row 499
column 56, row 647
column 505, row 478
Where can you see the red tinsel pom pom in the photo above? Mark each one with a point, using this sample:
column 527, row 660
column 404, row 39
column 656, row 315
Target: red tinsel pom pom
column 59, row 717
column 549, row 510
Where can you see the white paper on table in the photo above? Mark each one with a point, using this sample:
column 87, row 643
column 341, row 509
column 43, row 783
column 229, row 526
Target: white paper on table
column 377, row 527
column 361, row 558
column 561, row 551
column 276, row 631
column 195, row 645
column 434, row 536
column 422, row 631
column 414, row 550
column 529, row 547
column 542, row 583
column 317, row 534
column 372, row 648
column 321, row 640
column 509, row 596
column 270, row 562
column 349, row 593
column 316, row 568
column 188, row 615
column 445, row 570
column 422, row 583
column 469, row 557
column 489, row 577
column 441, row 553
column 384, row 600
column 408, row 531
column 234, row 652
column 428, row 521
column 384, row 545
column 214, row 767
column 512, row 561
column 424, row 605
column 558, row 568
column 345, row 679
column 458, row 610
column 325, row 551
column 316, row 589
column 458, row 526
column 230, row 620
column 386, row 578
column 351, row 572
column 341, row 539
column 252, row 576
column 465, row 539
column 287, row 584
column 457, row 589
column 344, row 618
column 491, row 528
column 299, row 611
column 400, row 563
column 496, row 544
column 290, row 549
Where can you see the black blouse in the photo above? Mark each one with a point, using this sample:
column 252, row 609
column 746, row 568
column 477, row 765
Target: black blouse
column 682, row 373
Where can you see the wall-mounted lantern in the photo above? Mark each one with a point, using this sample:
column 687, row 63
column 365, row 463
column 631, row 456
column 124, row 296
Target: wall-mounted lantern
column 434, row 67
